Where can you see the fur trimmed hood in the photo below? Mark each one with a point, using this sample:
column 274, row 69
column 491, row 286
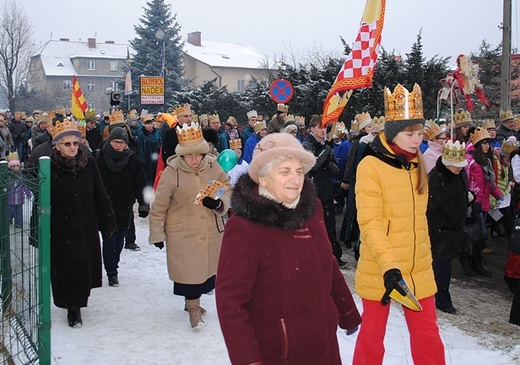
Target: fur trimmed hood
column 248, row 204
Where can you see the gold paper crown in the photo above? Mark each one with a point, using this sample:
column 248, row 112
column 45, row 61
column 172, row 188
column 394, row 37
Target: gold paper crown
column 299, row 120
column 258, row 126
column 506, row 115
column 488, row 124
column 12, row 156
column 132, row 115
column 182, row 109
column 232, row 120
column 454, row 152
column 289, row 118
column 82, row 127
column 260, row 118
column 354, row 126
column 431, row 130
column 339, row 129
column 214, row 118
column 282, row 108
column 189, row 135
column 402, row 104
column 60, row 110
column 59, row 127
column 362, row 117
column 508, row 146
column 478, row 135
column 235, row 143
column 462, row 118
column 194, row 118
column 378, row 124
column 90, row 113
column 116, row 117
column 203, row 117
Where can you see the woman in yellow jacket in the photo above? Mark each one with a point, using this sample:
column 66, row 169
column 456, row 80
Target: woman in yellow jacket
column 391, row 198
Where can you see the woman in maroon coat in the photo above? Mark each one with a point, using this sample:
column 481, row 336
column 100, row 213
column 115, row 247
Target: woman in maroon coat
column 280, row 294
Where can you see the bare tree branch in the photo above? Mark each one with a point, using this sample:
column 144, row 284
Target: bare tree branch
column 16, row 48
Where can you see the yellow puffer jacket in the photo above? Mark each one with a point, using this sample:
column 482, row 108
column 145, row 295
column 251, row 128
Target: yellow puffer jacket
column 392, row 220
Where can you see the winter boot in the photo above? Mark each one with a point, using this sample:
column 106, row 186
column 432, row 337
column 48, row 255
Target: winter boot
column 478, row 265
column 195, row 312
column 74, row 317
column 465, row 263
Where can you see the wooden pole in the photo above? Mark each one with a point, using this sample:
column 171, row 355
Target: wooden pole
column 505, row 80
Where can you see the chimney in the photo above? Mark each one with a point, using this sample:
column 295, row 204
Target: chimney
column 91, row 42
column 194, row 38
column 64, row 39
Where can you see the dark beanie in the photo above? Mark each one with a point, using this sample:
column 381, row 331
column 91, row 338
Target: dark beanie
column 118, row 133
column 396, row 126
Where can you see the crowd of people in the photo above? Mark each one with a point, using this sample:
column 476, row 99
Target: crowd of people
column 412, row 196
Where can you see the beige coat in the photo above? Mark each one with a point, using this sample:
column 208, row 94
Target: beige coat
column 193, row 233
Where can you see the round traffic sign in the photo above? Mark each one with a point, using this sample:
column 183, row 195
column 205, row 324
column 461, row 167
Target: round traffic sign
column 281, row 91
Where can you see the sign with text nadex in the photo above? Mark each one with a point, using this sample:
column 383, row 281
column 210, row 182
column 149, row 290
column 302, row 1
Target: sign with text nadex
column 152, row 90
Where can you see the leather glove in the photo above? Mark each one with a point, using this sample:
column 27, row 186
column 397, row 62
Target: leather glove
column 211, row 203
column 392, row 278
column 351, row 331
column 159, row 245
column 143, row 210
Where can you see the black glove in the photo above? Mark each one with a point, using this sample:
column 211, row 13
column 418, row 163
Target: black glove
column 211, row 203
column 329, row 143
column 143, row 210
column 392, row 278
column 159, row 245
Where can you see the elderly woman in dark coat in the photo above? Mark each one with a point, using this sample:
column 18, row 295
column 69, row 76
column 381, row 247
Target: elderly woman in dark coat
column 447, row 206
column 80, row 209
column 280, row 294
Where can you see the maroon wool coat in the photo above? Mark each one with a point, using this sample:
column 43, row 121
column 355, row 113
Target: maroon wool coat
column 280, row 294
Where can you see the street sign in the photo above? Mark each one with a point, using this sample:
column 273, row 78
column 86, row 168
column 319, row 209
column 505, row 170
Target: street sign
column 281, row 91
column 152, row 90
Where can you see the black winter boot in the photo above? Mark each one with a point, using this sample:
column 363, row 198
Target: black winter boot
column 479, row 267
column 74, row 317
column 465, row 263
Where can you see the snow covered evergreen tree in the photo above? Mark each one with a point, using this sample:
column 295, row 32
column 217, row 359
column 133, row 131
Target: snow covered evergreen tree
column 158, row 46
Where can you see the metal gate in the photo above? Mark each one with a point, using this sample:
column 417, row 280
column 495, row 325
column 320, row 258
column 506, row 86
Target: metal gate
column 25, row 265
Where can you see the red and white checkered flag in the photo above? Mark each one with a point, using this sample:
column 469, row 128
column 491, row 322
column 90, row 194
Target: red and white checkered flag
column 358, row 69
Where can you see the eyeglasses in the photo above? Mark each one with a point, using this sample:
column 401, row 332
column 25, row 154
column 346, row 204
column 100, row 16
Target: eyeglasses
column 68, row 144
column 116, row 142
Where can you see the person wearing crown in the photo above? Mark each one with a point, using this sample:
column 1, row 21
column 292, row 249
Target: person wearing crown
column 170, row 141
column 482, row 180
column 192, row 232
column 506, row 127
column 391, row 201
column 81, row 209
column 277, row 124
column 242, row 167
column 260, row 131
column 462, row 122
column 447, row 207
column 252, row 118
column 435, row 137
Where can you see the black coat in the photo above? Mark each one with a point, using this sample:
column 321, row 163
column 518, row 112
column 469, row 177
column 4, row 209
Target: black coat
column 324, row 170
column 80, row 209
column 123, row 187
column 447, row 206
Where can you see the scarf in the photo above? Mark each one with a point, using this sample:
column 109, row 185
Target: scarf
column 115, row 160
column 72, row 165
column 489, row 173
column 399, row 151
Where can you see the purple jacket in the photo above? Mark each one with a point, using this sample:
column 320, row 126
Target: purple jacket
column 18, row 191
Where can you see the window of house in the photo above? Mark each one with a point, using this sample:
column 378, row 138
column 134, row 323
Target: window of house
column 113, row 65
column 91, row 85
column 114, row 85
column 241, row 86
column 91, row 65
column 67, row 84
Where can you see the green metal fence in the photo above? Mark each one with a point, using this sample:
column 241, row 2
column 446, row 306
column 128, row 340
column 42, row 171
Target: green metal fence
column 25, row 268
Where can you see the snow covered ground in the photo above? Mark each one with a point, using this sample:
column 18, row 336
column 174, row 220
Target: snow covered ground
column 142, row 322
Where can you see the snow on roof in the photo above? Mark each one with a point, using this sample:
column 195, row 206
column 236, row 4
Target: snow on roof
column 57, row 55
column 220, row 54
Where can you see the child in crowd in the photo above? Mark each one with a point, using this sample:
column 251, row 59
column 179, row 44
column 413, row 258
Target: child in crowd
column 18, row 191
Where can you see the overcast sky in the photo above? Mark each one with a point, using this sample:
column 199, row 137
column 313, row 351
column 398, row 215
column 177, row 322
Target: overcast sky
column 273, row 27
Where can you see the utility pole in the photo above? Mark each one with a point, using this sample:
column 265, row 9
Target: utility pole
column 505, row 80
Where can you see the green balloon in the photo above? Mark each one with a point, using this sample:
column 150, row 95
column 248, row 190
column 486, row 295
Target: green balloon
column 227, row 159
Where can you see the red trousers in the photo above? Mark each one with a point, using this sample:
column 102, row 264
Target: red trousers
column 425, row 341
